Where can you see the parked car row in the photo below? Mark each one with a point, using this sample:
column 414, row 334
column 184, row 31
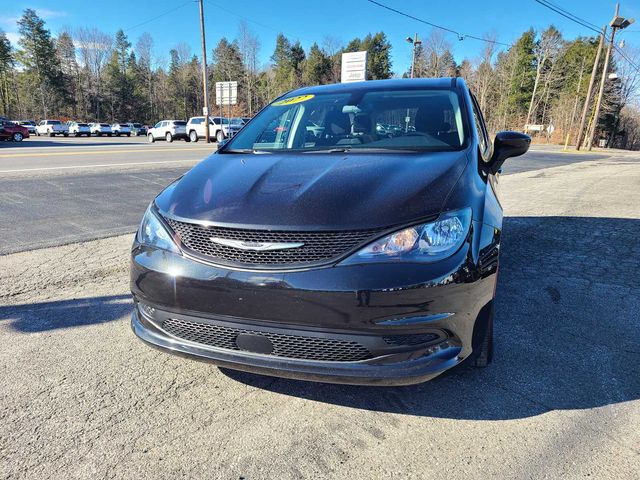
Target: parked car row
column 193, row 130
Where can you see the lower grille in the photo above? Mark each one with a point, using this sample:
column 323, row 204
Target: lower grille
column 411, row 339
column 290, row 346
column 317, row 247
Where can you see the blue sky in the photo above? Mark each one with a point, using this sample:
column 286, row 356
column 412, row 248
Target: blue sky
column 312, row 21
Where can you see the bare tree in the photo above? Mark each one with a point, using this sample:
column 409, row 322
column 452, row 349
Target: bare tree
column 546, row 53
column 95, row 48
column 249, row 48
column 332, row 47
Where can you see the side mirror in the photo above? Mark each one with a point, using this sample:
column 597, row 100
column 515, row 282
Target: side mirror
column 222, row 143
column 508, row 144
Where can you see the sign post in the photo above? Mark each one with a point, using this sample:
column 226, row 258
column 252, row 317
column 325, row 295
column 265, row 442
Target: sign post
column 226, row 94
column 354, row 67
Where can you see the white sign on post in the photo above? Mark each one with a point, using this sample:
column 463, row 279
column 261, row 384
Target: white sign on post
column 354, row 67
column 226, row 93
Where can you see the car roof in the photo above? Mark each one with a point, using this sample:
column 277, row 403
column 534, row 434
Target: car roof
column 393, row 84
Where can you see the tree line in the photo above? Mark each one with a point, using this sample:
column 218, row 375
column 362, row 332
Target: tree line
column 91, row 75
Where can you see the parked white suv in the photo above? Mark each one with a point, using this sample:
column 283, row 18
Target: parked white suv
column 52, row 128
column 100, row 129
column 30, row 125
column 219, row 128
column 79, row 129
column 121, row 129
column 168, row 130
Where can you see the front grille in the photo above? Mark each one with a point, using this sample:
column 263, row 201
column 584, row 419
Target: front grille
column 290, row 346
column 319, row 247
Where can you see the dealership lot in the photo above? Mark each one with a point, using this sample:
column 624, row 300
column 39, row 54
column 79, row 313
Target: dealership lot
column 81, row 396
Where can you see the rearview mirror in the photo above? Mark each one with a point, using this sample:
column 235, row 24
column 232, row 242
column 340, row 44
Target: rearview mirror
column 508, row 144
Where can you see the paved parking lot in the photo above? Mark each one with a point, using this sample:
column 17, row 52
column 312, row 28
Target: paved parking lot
column 80, row 396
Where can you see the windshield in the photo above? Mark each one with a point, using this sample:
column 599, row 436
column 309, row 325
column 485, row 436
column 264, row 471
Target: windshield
column 105, row 125
column 224, row 121
column 137, row 125
column 425, row 119
column 180, row 123
column 54, row 122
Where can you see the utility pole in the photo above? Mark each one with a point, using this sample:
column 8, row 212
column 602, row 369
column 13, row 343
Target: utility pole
column 415, row 42
column 585, row 109
column 618, row 23
column 205, row 86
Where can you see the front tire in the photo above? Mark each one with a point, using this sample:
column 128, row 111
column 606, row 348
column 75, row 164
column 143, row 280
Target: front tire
column 128, row 134
column 18, row 137
column 65, row 134
column 193, row 136
column 51, row 134
column 168, row 137
column 150, row 138
column 219, row 136
column 37, row 133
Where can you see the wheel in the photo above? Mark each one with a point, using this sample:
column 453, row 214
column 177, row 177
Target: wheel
column 187, row 139
column 51, row 134
column 485, row 355
column 99, row 134
column 117, row 134
column 168, row 137
column 219, row 136
column 65, row 134
column 77, row 134
column 37, row 133
column 150, row 138
column 128, row 134
column 108, row 134
column 193, row 136
column 17, row 137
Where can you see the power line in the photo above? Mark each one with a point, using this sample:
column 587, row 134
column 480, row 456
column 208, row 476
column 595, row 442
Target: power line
column 568, row 15
column 572, row 15
column 461, row 36
column 584, row 23
column 224, row 9
column 157, row 16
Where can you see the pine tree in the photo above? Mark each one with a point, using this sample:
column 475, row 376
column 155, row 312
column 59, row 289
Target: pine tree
column 7, row 66
column 40, row 62
column 378, row 55
column 283, row 64
column 317, row 67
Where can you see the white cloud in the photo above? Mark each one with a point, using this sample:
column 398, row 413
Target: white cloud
column 13, row 38
column 47, row 14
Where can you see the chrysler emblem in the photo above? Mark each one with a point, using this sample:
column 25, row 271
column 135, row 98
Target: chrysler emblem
column 257, row 246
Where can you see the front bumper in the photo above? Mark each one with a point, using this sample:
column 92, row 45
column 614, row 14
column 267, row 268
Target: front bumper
column 360, row 304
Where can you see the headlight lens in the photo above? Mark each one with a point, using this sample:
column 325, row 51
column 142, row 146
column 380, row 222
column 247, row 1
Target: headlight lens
column 427, row 242
column 154, row 234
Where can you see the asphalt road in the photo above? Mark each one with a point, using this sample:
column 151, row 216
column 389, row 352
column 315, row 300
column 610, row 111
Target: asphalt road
column 63, row 190
column 81, row 397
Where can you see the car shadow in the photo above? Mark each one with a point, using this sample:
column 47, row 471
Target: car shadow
column 567, row 331
column 39, row 317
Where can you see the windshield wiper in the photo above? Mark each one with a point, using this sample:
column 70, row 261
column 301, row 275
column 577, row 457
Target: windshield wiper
column 243, row 150
column 330, row 150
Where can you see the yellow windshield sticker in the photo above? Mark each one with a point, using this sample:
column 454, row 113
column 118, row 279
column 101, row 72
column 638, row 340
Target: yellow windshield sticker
column 292, row 100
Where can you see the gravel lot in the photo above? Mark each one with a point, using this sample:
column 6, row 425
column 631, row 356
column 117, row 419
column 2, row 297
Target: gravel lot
column 81, row 397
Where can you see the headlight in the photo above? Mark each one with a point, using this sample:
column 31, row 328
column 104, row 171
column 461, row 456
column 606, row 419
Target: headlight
column 154, row 234
column 424, row 243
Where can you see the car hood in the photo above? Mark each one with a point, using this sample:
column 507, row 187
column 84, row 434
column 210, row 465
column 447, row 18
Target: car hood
column 314, row 190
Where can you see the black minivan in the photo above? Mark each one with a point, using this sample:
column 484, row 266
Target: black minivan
column 348, row 233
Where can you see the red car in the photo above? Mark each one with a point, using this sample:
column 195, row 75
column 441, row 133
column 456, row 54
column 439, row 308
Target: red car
column 12, row 131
